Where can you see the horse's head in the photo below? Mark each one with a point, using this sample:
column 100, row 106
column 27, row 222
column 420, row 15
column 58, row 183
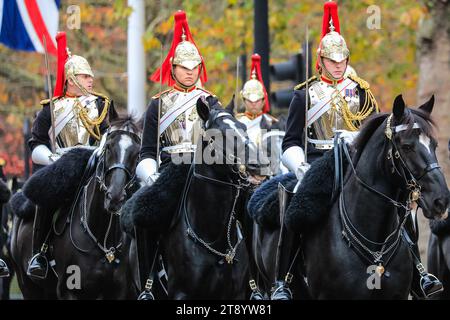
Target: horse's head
column 225, row 140
column 118, row 163
column 412, row 157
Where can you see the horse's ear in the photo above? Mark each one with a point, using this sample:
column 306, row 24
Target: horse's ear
column 230, row 107
column 399, row 107
column 428, row 106
column 112, row 114
column 203, row 109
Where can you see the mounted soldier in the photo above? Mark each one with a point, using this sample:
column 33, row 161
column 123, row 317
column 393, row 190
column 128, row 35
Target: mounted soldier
column 338, row 102
column 171, row 123
column 77, row 117
column 256, row 116
column 334, row 101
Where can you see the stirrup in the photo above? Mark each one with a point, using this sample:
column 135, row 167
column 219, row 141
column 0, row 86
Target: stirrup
column 281, row 292
column 430, row 285
column 38, row 267
column 147, row 294
column 256, row 294
column 4, row 271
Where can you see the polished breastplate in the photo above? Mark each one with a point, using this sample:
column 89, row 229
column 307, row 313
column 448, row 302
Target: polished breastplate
column 183, row 132
column 74, row 132
column 340, row 100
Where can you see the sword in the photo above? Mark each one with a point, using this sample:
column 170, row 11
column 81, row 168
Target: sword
column 306, row 93
column 50, row 93
column 159, row 109
column 236, row 93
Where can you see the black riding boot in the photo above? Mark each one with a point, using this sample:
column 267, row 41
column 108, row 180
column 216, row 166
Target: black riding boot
column 38, row 265
column 286, row 250
column 424, row 285
column 4, row 271
column 146, row 254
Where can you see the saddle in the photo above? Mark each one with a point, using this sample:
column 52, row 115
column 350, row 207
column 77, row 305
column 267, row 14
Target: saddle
column 153, row 207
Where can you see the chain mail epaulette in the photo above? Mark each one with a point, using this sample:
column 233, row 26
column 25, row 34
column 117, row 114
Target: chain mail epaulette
column 303, row 84
column 271, row 117
column 362, row 83
column 46, row 101
column 210, row 93
column 370, row 100
column 101, row 96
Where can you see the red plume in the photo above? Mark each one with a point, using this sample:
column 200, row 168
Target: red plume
column 256, row 65
column 330, row 10
column 180, row 25
column 62, row 58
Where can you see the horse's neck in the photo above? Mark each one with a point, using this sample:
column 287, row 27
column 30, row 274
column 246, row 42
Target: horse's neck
column 209, row 205
column 372, row 214
column 96, row 215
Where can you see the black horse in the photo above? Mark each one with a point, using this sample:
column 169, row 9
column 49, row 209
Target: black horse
column 203, row 247
column 89, row 248
column 357, row 251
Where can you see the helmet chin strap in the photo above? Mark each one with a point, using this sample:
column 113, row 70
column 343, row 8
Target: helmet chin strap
column 182, row 85
column 327, row 73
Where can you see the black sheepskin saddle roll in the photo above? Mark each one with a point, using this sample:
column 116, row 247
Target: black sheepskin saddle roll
column 263, row 206
column 153, row 207
column 440, row 227
column 21, row 206
column 55, row 185
column 312, row 202
column 4, row 192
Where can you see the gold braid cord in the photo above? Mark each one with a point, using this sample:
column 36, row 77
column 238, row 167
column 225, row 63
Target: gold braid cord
column 93, row 125
column 353, row 120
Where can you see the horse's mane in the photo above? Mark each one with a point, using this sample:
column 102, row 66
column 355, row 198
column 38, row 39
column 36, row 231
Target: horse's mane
column 410, row 116
column 127, row 121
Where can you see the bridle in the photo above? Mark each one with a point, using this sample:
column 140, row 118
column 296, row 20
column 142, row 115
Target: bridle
column 102, row 172
column 100, row 175
column 241, row 183
column 350, row 233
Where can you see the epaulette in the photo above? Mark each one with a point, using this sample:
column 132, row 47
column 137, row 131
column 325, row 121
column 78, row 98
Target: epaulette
column 156, row 96
column 303, row 84
column 46, row 101
column 271, row 117
column 362, row 83
column 210, row 93
column 101, row 95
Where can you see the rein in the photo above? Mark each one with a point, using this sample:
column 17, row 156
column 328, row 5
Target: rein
column 391, row 243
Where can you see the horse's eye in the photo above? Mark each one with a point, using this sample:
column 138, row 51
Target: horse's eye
column 407, row 147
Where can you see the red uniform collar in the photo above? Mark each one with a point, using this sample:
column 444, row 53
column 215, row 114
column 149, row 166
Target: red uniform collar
column 178, row 88
column 252, row 116
column 325, row 79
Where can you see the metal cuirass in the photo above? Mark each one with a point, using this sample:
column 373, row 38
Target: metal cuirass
column 182, row 133
column 340, row 100
column 67, row 110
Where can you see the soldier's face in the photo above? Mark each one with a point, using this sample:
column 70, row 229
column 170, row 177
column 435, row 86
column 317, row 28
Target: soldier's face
column 337, row 69
column 254, row 107
column 86, row 81
column 186, row 76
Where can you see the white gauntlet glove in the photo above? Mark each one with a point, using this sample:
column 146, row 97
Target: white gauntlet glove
column 294, row 159
column 146, row 171
column 43, row 156
column 348, row 136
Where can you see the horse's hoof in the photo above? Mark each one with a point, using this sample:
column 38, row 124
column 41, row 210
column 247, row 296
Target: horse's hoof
column 146, row 295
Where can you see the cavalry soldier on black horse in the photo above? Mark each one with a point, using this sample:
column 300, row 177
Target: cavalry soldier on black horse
column 79, row 119
column 171, row 125
column 336, row 102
